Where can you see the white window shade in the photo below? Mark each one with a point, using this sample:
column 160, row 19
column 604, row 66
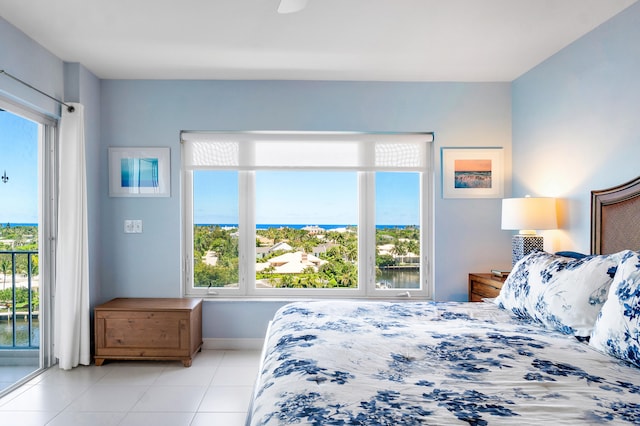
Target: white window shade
column 202, row 154
column 306, row 150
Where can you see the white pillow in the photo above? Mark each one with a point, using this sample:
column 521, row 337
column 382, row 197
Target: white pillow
column 558, row 292
column 617, row 329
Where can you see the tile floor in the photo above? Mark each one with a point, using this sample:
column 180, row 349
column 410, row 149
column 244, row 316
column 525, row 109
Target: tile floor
column 215, row 390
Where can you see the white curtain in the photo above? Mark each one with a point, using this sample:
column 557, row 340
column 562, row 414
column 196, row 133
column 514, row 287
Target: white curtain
column 71, row 307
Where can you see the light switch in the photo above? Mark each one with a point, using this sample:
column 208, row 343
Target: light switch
column 132, row 226
column 128, row 226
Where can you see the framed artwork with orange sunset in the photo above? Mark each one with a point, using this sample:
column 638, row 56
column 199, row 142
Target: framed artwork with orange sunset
column 472, row 173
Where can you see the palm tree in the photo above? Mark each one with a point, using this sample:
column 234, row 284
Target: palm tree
column 286, row 281
column 335, row 253
column 400, row 250
column 307, row 246
column 349, row 277
column 413, row 247
column 351, row 251
column 5, row 266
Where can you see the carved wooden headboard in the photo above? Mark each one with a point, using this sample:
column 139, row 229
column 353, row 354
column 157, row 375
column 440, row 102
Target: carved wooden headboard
column 615, row 218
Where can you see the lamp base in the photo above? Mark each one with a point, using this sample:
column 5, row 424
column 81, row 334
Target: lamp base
column 522, row 245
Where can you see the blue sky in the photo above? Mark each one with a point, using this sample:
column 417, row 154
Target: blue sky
column 19, row 158
column 306, row 198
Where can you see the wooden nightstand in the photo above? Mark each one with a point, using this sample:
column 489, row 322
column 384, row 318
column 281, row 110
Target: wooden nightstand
column 484, row 285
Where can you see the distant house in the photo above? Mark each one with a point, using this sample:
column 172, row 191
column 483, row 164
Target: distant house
column 10, row 243
column 291, row 263
column 281, row 246
column 313, row 229
column 389, row 249
column 322, row 248
column 386, row 249
column 210, row 258
column 261, row 252
column 341, row 230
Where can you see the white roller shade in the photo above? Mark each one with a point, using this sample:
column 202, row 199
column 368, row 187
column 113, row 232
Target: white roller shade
column 306, row 150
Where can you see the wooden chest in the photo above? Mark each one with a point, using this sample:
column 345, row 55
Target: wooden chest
column 148, row 329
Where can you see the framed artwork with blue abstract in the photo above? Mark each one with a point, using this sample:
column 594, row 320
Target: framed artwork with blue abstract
column 139, row 172
column 472, row 173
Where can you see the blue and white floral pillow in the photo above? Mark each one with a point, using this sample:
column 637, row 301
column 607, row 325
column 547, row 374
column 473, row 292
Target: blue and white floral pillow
column 617, row 329
column 558, row 292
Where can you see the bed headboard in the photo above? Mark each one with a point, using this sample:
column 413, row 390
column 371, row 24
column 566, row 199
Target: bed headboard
column 615, row 218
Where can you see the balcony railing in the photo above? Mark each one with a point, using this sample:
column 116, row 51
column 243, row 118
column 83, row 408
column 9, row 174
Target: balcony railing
column 19, row 300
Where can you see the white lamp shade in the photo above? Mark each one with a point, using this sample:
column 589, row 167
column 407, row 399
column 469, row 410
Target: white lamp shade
column 530, row 213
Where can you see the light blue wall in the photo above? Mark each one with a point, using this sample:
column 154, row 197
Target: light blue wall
column 152, row 113
column 27, row 60
column 576, row 123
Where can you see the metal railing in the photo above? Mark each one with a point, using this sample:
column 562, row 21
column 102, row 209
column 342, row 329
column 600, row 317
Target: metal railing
column 19, row 322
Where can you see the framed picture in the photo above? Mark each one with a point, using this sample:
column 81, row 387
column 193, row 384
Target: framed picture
column 472, row 173
column 139, row 172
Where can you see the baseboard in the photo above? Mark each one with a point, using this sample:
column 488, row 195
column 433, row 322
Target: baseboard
column 232, row 344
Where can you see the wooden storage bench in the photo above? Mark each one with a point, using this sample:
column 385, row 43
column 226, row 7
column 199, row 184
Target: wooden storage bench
column 148, row 329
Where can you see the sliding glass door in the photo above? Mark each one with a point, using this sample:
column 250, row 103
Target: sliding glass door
column 26, row 218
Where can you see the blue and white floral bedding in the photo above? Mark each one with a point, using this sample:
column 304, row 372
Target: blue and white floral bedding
column 424, row 363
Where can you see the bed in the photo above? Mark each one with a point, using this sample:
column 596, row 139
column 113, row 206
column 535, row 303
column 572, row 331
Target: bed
column 561, row 345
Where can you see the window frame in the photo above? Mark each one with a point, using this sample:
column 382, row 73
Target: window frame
column 366, row 228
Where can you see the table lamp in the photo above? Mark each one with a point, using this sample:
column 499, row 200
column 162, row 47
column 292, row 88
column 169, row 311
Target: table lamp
column 527, row 215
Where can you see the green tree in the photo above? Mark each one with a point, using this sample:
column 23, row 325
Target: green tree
column 286, row 281
column 22, row 298
column 385, row 260
column 5, row 267
column 344, row 274
column 399, row 249
column 413, row 247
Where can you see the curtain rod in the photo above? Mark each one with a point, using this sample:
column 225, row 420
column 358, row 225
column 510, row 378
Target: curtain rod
column 69, row 107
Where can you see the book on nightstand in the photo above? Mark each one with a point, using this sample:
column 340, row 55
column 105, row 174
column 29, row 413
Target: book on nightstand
column 500, row 274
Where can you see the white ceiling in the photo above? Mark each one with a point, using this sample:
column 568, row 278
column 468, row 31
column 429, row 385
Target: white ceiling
column 374, row 40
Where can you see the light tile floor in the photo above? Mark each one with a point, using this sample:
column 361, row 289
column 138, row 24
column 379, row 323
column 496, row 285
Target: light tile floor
column 215, row 390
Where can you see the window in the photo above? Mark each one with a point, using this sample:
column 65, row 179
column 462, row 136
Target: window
column 215, row 228
column 306, row 214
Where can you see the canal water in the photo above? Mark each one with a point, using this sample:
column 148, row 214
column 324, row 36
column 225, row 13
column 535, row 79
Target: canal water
column 399, row 278
column 22, row 332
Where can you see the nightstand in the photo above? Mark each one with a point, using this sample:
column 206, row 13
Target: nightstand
column 484, row 285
